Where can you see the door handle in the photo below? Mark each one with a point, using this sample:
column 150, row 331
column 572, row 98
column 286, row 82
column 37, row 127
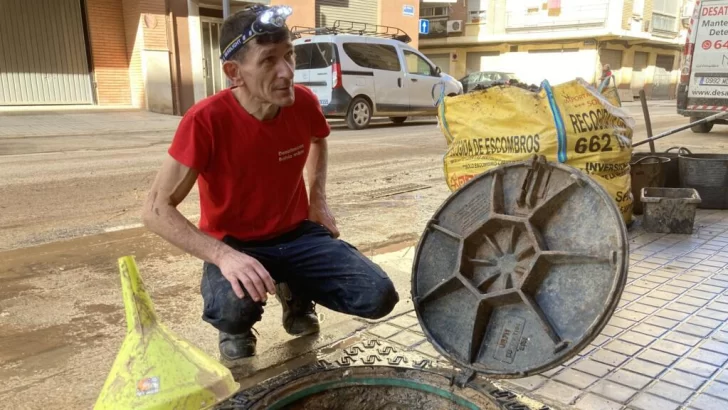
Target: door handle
column 399, row 82
column 414, row 80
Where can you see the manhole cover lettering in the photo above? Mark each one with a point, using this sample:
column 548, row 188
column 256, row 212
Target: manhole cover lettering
column 510, row 339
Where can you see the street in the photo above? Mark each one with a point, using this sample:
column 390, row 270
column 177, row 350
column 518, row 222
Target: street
column 70, row 206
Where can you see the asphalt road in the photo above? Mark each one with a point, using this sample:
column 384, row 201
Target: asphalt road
column 69, row 207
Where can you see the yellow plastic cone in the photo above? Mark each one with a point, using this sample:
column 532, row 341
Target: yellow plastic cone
column 156, row 369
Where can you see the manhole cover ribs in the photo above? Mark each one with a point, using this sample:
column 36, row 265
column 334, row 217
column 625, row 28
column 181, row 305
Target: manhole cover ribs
column 519, row 249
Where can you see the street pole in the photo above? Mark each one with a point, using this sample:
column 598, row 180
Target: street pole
column 648, row 120
column 225, row 9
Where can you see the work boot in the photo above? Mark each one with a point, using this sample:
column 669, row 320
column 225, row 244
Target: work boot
column 299, row 315
column 234, row 347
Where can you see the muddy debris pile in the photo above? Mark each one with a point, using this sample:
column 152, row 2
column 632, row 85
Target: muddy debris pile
column 513, row 83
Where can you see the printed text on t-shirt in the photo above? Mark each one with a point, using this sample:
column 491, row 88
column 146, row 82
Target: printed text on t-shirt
column 290, row 153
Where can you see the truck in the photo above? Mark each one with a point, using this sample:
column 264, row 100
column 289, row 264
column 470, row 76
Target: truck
column 703, row 88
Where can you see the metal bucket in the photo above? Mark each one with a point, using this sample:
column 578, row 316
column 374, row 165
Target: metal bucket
column 671, row 169
column 707, row 174
column 647, row 172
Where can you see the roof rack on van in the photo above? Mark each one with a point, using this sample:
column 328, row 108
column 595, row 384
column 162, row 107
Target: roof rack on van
column 353, row 27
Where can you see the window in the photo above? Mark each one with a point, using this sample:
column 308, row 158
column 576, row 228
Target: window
column 417, row 65
column 311, row 56
column 375, row 56
column 477, row 11
column 434, row 12
column 665, row 14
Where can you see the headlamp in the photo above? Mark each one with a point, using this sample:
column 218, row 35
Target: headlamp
column 269, row 19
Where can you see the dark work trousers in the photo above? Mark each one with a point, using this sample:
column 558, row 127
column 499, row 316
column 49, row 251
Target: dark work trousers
column 316, row 267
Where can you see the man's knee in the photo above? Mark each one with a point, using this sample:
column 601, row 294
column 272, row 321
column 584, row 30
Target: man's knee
column 223, row 309
column 380, row 302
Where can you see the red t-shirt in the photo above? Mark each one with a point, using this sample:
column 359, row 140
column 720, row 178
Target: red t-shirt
column 250, row 171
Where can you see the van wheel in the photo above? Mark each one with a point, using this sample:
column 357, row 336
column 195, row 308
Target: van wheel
column 398, row 120
column 703, row 128
column 359, row 115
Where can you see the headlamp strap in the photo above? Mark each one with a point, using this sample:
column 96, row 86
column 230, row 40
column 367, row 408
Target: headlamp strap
column 257, row 27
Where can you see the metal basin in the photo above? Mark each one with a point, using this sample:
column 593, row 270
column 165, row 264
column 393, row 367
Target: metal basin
column 671, row 169
column 707, row 174
column 647, row 172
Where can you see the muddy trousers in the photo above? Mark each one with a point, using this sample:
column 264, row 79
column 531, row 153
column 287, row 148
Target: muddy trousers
column 316, row 267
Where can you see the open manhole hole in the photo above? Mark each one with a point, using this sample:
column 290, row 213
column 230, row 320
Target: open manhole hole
column 373, row 375
column 517, row 272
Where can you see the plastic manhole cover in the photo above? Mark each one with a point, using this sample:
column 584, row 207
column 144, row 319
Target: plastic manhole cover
column 520, row 269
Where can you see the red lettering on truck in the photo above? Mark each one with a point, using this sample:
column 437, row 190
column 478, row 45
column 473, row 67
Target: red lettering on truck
column 713, row 11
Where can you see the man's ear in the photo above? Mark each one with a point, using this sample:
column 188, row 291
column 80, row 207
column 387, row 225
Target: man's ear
column 230, row 68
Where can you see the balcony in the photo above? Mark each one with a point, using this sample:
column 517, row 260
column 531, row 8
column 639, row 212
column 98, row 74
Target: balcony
column 438, row 28
column 573, row 13
column 664, row 25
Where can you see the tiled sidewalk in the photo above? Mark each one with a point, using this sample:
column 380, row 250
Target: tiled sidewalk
column 665, row 348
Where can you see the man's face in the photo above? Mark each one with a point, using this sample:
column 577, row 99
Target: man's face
column 266, row 70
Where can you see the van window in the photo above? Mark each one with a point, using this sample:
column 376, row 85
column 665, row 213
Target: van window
column 375, row 56
column 312, row 56
column 417, row 65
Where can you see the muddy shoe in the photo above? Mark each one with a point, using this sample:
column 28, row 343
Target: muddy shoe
column 234, row 347
column 299, row 315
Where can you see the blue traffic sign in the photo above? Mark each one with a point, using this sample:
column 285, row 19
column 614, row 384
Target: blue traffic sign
column 424, row 26
column 408, row 10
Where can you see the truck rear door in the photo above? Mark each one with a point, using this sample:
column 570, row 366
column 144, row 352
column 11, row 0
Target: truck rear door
column 708, row 86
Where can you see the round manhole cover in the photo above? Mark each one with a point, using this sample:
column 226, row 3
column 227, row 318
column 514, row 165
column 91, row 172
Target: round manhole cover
column 520, row 269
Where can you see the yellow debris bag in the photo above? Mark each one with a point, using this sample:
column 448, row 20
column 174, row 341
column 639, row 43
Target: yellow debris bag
column 572, row 123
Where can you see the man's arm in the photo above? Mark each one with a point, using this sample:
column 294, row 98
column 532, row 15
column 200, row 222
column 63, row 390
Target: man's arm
column 316, row 168
column 161, row 216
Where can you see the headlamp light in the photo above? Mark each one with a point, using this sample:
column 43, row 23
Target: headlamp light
column 268, row 20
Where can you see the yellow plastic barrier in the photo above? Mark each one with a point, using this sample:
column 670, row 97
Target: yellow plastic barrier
column 571, row 123
column 156, row 369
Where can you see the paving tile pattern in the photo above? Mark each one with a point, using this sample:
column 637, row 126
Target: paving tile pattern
column 666, row 347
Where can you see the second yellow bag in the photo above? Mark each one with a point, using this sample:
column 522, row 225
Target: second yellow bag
column 571, row 123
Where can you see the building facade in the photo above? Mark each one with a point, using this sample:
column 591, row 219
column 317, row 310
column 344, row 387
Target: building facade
column 560, row 40
column 159, row 55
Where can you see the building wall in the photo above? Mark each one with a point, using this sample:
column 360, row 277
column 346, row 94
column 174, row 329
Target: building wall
column 134, row 42
column 145, row 23
column 390, row 14
column 627, row 13
column 647, row 15
column 107, row 41
column 518, row 59
column 513, row 45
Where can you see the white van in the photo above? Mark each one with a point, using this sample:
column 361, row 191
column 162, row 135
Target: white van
column 703, row 88
column 369, row 74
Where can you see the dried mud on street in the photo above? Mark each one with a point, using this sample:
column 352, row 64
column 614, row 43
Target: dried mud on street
column 65, row 218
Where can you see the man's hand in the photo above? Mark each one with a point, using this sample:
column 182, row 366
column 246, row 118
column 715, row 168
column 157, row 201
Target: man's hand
column 320, row 213
column 240, row 268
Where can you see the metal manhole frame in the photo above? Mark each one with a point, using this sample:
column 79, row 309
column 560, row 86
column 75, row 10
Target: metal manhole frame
column 376, row 356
